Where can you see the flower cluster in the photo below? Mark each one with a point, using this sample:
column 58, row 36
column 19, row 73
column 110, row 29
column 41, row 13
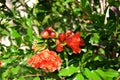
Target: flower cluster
column 72, row 40
column 48, row 32
column 46, row 59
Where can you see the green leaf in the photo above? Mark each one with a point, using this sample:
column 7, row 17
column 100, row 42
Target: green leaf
column 14, row 33
column 101, row 73
column 15, row 70
column 84, row 3
column 91, row 75
column 67, row 1
column 111, row 73
column 88, row 73
column 40, row 47
column 105, row 74
column 5, row 74
column 95, row 57
column 95, row 76
column 66, row 58
column 94, row 38
column 29, row 33
column 86, row 57
column 79, row 77
column 21, row 78
column 28, row 22
column 68, row 71
column 101, row 51
column 5, row 32
column 45, row 20
column 36, row 78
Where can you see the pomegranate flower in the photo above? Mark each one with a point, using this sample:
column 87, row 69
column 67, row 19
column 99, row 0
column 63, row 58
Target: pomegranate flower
column 46, row 60
column 62, row 36
column 59, row 48
column 0, row 63
column 74, row 41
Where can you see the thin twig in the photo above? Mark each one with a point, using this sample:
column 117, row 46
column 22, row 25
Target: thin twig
column 101, row 5
column 117, row 23
column 40, row 75
column 100, row 46
column 7, row 8
column 32, row 75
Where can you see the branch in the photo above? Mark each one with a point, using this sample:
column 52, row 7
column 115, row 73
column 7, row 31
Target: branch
column 32, row 75
column 117, row 23
column 100, row 46
column 7, row 8
column 40, row 75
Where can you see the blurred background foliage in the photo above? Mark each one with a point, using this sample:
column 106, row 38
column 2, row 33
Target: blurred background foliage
column 98, row 21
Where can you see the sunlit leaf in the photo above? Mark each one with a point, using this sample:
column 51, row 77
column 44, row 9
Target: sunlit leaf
column 36, row 78
column 14, row 33
column 21, row 78
column 29, row 32
column 68, row 71
column 79, row 77
column 15, row 70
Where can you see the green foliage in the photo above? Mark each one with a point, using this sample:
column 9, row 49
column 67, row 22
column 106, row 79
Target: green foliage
column 68, row 71
column 99, row 58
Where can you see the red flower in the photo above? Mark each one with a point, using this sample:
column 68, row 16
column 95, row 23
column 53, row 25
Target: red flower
column 52, row 34
column 0, row 63
column 44, row 34
column 59, row 48
column 49, row 29
column 58, row 41
column 69, row 32
column 46, row 60
column 74, row 41
column 61, row 36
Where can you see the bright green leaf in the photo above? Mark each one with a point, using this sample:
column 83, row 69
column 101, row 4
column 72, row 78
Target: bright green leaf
column 98, row 58
column 5, row 74
column 15, row 70
column 36, row 78
column 111, row 73
column 101, row 73
column 15, row 34
column 21, row 78
column 88, row 73
column 79, row 77
column 68, row 71
column 95, row 76
column 94, row 38
column 67, row 1
column 45, row 20
column 28, row 22
column 29, row 32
